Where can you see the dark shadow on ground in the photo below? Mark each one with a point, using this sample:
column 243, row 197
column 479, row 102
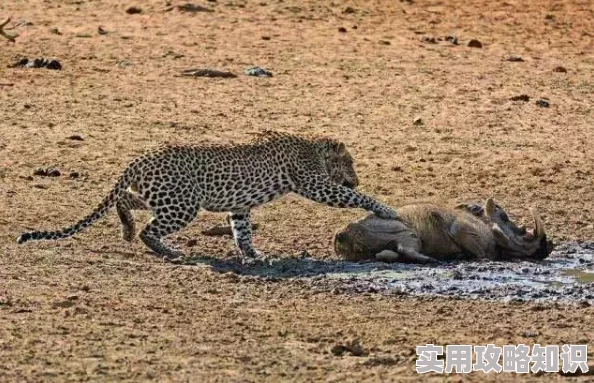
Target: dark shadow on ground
column 287, row 267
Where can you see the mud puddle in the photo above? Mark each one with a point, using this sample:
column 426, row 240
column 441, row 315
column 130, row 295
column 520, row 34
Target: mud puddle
column 566, row 276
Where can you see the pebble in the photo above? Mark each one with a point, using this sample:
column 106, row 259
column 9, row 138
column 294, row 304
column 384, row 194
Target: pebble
column 522, row 97
column 452, row 39
column 258, row 72
column 193, row 8
column 515, row 59
column 49, row 172
column 133, row 10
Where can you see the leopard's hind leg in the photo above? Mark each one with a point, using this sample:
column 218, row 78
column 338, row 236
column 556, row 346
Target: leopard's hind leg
column 169, row 218
column 128, row 202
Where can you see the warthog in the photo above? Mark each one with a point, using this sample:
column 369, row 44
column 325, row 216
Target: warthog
column 427, row 232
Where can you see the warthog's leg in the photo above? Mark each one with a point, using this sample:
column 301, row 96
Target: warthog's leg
column 403, row 254
column 468, row 240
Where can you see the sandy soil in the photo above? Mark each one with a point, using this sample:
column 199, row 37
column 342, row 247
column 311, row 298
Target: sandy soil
column 97, row 308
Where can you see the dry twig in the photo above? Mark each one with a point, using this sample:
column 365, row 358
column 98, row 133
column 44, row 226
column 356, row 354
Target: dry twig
column 6, row 35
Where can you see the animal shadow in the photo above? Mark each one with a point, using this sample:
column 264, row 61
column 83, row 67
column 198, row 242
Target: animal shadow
column 291, row 267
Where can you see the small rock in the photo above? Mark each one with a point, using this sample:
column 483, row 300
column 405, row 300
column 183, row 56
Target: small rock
column 193, row 8
column 515, row 59
column 529, row 334
column 258, row 72
column 76, row 137
column 522, row 97
column 475, row 44
column 418, row 121
column 543, row 103
column 24, row 23
column 353, row 347
column 396, row 168
column 349, row 10
column 133, row 10
column 49, row 172
column 74, row 175
column 550, row 17
column 342, row 30
column 101, row 30
column 385, row 42
column 55, row 31
column 560, row 69
column 266, row 38
column 429, row 40
column 452, row 39
column 441, row 310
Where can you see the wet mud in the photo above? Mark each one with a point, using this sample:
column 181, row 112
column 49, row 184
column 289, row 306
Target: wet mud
column 567, row 276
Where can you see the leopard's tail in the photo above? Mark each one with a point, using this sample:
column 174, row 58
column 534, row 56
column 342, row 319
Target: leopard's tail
column 123, row 183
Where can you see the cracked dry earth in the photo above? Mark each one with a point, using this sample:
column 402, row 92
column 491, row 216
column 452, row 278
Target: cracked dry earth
column 424, row 119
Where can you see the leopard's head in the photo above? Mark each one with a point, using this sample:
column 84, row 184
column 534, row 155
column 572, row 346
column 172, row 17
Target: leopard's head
column 339, row 164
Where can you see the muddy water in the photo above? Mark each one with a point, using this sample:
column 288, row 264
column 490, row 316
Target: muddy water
column 566, row 276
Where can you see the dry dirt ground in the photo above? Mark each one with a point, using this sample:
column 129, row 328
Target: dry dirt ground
column 97, row 308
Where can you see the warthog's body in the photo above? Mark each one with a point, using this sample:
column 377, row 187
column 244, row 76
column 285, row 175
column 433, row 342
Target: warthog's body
column 426, row 232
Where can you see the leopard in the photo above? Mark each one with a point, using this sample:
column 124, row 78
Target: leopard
column 173, row 182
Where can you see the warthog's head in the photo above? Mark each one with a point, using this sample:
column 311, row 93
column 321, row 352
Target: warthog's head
column 339, row 164
column 512, row 240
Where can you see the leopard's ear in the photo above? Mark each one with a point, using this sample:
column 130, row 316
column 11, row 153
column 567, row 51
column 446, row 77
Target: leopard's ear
column 341, row 149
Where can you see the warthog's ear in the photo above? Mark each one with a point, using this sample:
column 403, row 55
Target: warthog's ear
column 472, row 208
column 490, row 208
column 341, row 149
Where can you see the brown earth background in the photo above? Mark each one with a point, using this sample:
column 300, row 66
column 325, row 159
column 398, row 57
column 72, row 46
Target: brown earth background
column 423, row 121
